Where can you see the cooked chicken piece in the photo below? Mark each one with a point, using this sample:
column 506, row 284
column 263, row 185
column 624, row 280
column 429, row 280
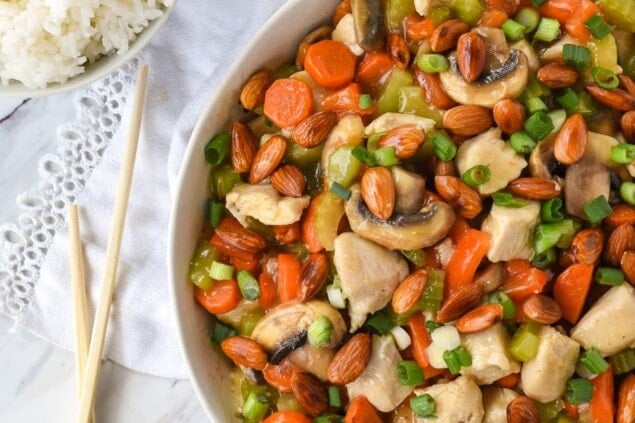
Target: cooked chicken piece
column 369, row 274
column 490, row 359
column 264, row 204
column 344, row 33
column 444, row 251
column 314, row 360
column 495, row 402
column 545, row 376
column 380, row 381
column 608, row 325
column 388, row 121
column 348, row 131
column 512, row 231
column 459, row 401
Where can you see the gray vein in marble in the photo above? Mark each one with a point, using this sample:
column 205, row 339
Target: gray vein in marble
column 8, row 116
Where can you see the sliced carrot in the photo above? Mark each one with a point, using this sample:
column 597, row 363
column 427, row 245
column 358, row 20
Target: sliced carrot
column 288, row 102
column 279, row 375
column 511, row 7
column 601, row 405
column 469, row 251
column 267, row 290
column 309, row 233
column 360, row 410
column 571, row 289
column 626, row 400
column 458, row 229
column 559, row 9
column 347, row 100
column 509, row 381
column 288, row 416
column 416, row 325
column 572, row 14
column 493, row 17
column 223, row 297
column 418, row 27
column 330, row 63
column 622, row 213
column 523, row 280
column 251, row 264
column 289, row 270
column 373, row 70
column 571, row 410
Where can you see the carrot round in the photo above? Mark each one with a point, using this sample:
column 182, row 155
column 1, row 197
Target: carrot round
column 601, row 405
column 224, row 296
column 287, row 416
column 373, row 69
column 418, row 28
column 571, row 289
column 416, row 326
column 360, row 410
column 493, row 17
column 288, row 102
column 523, row 280
column 267, row 290
column 289, row 270
column 330, row 63
column 279, row 375
column 469, row 252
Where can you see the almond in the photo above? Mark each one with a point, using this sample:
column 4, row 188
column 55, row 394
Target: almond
column 243, row 147
column 571, row 141
column 509, row 115
column 556, row 75
column 622, row 213
column 244, row 351
column 481, row 318
column 442, row 168
column 267, row 159
column 621, row 239
column 627, row 83
column 253, row 93
column 535, row 188
column 627, row 264
column 378, row 191
column 409, row 291
column 445, row 36
column 459, row 302
column 463, row 198
column 287, row 234
column 398, row 50
column 351, row 360
column 586, row 246
column 522, row 410
column 542, row 309
column 313, row 130
column 471, row 55
column 405, row 139
column 617, row 98
column 627, row 122
column 310, row 393
column 315, row 270
column 433, row 91
column 232, row 234
column 468, row 119
column 288, row 180
column 625, row 411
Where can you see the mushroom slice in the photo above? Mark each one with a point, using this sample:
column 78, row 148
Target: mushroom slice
column 263, row 203
column 402, row 231
column 583, row 182
column 388, row 121
column 284, row 328
column 369, row 25
column 541, row 160
column 410, row 190
column 314, row 360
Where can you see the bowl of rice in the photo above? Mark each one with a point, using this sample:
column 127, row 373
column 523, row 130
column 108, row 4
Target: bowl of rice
column 48, row 47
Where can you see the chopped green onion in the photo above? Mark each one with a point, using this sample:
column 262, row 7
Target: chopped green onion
column 538, row 125
column 534, row 88
column 416, row 257
column 535, row 104
column 529, row 18
column 423, row 406
column 593, row 361
column 409, row 373
column 568, row 99
column 596, row 25
column 623, row 361
column 587, row 107
column 597, row 209
column 538, row 3
column 221, row 331
column 433, row 291
column 443, row 147
column 319, row 332
column 379, row 323
column 521, row 142
column 431, row 325
column 549, row 235
column 505, row 199
column 224, row 180
column 524, row 344
column 576, row 56
column 215, row 213
column 334, row 396
column 256, row 406
column 365, row 101
column 605, row 78
column 464, row 356
column 500, row 297
column 386, row 156
column 609, row 276
column 431, row 63
column 627, row 192
column 477, row 175
column 329, row 418
column 221, row 271
column 513, row 30
column 548, row 30
column 623, row 153
column 217, row 149
column 551, row 210
column 373, row 141
column 452, row 361
column 340, row 190
column 545, row 259
column 248, row 285
column 364, row 156
column 579, row 391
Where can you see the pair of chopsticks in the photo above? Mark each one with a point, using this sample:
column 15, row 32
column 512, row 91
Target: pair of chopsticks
column 88, row 353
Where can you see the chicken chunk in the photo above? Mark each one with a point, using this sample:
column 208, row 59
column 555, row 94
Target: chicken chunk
column 459, row 401
column 495, row 402
column 263, row 203
column 545, row 376
column 369, row 274
column 388, row 121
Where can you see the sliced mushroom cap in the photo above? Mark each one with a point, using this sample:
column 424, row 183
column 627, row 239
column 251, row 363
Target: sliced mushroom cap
column 401, row 232
column 369, row 25
column 541, row 160
column 583, row 182
column 314, row 360
column 410, row 190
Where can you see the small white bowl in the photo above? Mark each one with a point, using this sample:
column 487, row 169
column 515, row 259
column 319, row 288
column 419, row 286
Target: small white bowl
column 276, row 42
column 94, row 71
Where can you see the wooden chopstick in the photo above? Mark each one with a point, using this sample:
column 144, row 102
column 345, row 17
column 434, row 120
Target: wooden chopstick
column 112, row 251
column 78, row 291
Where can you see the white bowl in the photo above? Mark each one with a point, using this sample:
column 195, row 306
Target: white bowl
column 276, row 42
column 100, row 68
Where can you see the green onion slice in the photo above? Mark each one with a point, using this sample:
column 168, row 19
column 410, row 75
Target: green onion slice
column 568, row 99
column 593, row 361
column 335, row 399
column 576, row 56
column 500, row 297
column 623, row 361
column 221, row 331
column 452, row 361
column 386, row 156
column 423, row 406
column 521, row 142
column 545, row 259
column 579, row 391
column 548, row 30
column 379, row 323
column 340, row 190
column 551, row 210
column 215, row 214
column 529, row 18
column 627, row 192
column 535, row 104
column 409, row 373
column 477, row 175
column 605, row 78
column 623, row 153
column 609, row 276
column 432, row 63
column 248, row 285
column 217, row 149
column 256, row 405
column 443, row 146
column 221, row 271
column 597, row 209
column 505, row 199
column 596, row 25
column 364, row 156
column 538, row 125
column 513, row 30
column 319, row 332
column 365, row 101
column 431, row 325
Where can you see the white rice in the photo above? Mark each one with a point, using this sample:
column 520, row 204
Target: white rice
column 49, row 41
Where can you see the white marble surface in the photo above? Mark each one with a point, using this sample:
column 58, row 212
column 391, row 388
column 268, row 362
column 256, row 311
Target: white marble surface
column 37, row 382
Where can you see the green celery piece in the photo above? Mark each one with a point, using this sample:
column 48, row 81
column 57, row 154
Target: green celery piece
column 411, row 100
column 395, row 12
column 389, row 98
column 620, row 13
column 200, row 263
column 343, row 167
column 524, row 343
column 301, row 156
column 223, row 179
column 432, row 294
column 603, row 53
column 469, row 11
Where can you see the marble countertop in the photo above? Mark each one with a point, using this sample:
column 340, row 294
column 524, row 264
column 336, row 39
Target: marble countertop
column 38, row 379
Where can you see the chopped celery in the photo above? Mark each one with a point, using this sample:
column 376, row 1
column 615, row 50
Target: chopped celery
column 287, row 402
column 301, row 156
column 623, row 361
column 343, row 166
column 416, row 257
column 440, row 14
column 201, row 261
column 395, row 12
column 432, row 294
column 328, row 213
column 411, row 100
column 549, row 410
column 389, row 98
column 469, row 11
column 224, row 178
column 604, row 53
column 248, row 321
column 620, row 13
column 524, row 343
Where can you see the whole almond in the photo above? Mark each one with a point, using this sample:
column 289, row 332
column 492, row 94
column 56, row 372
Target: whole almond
column 556, row 75
column 625, row 411
column 481, row 318
column 471, row 55
column 350, row 361
column 313, row 130
column 627, row 264
column 627, row 122
column 253, row 93
column 509, row 115
column 243, row 147
column 586, row 246
column 405, row 139
column 621, row 239
column 442, row 168
column 287, row 234
column 446, row 35
column 463, row 198
column 267, row 159
column 534, row 188
column 542, row 309
column 627, row 83
column 310, row 393
column 398, row 50
column 459, row 302
column 616, row 98
column 378, row 191
column 315, row 270
column 571, row 141
column 522, row 410
column 468, row 119
column 288, row 180
column 409, row 291
column 244, row 351
column 235, row 236
column 433, row 91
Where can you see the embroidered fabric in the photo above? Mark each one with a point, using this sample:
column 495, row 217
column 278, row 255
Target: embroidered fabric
column 25, row 243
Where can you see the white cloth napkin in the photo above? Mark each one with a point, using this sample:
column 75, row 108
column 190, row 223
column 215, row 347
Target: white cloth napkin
column 187, row 58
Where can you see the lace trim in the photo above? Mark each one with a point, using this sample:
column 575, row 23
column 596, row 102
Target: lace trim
column 24, row 245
